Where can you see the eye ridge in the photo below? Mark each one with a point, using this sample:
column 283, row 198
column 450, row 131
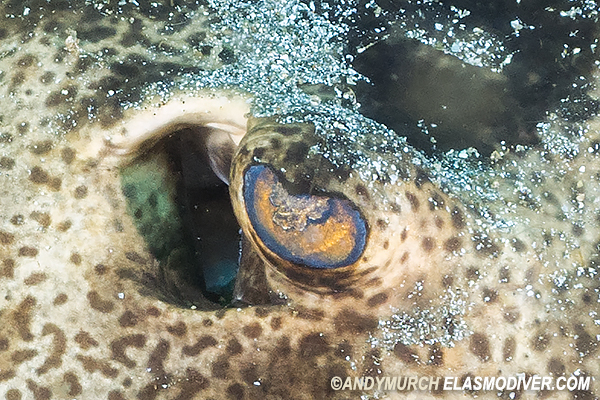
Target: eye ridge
column 313, row 231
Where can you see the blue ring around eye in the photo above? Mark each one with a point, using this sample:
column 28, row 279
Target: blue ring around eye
column 319, row 232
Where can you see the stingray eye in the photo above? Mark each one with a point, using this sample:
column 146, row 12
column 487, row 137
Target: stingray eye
column 315, row 231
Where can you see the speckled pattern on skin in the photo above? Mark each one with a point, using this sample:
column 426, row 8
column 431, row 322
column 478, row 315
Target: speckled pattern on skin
column 438, row 291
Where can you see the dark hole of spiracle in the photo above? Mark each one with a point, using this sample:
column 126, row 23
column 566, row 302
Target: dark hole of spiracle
column 183, row 212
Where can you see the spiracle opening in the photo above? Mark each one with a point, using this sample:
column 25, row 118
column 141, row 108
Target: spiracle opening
column 183, row 211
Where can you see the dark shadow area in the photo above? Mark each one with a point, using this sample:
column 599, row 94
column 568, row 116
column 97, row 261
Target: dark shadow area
column 440, row 103
column 550, row 70
column 183, row 211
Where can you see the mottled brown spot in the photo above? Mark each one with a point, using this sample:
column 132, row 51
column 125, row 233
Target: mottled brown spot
column 447, row 281
column 6, row 238
column 92, row 365
column 276, row 323
column 179, row 329
column 421, row 178
column 386, row 244
column 428, row 244
column 119, row 346
column 349, row 321
column 458, row 220
column 59, row 347
column 21, row 356
column 377, row 299
column 220, row 314
column 236, row 392
column 453, row 244
column 313, row 345
column 47, row 77
column 484, row 245
column 85, row 340
column 480, row 346
column 436, row 201
column 395, row 208
column 7, row 270
column 75, row 258
column 64, row 226
column 155, row 365
column 7, row 163
column 489, row 295
column 127, row 382
column 26, row 61
column 540, row 341
column 372, row 363
column 403, row 235
column 192, row 384
column 55, row 183
column 586, row 297
column 22, row 318
column 556, row 367
column 512, row 315
column 135, row 257
column 18, row 79
column 362, row 191
column 577, row 230
column 99, row 304
column 585, row 344
column 39, row 392
column 439, row 222
column 59, row 97
column 261, row 312
column 68, row 155
column 219, row 368
column 116, row 395
column 344, row 350
column 413, row 200
column 80, row 192
column 529, row 275
column 42, row 147
column 508, row 350
column 17, row 219
column 382, row 224
column 27, row 251
column 249, row 374
column 128, row 319
column 38, row 176
column 282, row 349
column 405, row 354
column 153, row 312
column 12, row 394
column 404, row 257
column 234, row 347
column 472, row 274
column 35, row 279
column 311, row 314
column 4, row 344
column 504, row 275
column 202, row 343
column 72, row 381
column 23, row 127
column 100, row 269
column 436, row 355
column 252, row 331
column 6, row 374
column 374, row 282
column 518, row 245
column 207, row 322
column 41, row 218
